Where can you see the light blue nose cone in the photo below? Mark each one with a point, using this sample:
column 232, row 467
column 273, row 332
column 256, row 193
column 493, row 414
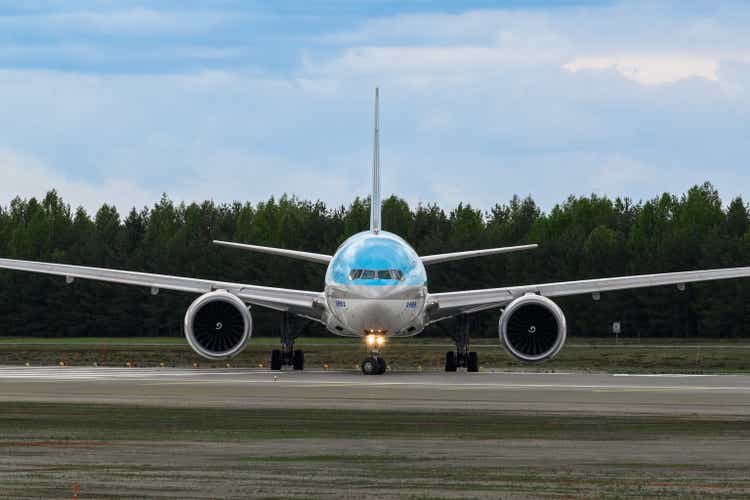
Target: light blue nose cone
column 376, row 260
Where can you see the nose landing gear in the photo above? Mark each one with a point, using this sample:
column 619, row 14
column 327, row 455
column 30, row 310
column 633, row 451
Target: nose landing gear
column 374, row 364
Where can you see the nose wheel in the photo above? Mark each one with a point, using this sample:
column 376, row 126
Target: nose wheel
column 374, row 365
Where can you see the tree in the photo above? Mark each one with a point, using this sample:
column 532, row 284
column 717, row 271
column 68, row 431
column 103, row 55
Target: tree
column 582, row 237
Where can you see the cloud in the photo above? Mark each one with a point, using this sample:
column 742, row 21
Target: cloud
column 460, row 62
column 473, row 27
column 652, row 69
column 26, row 176
column 475, row 107
column 134, row 21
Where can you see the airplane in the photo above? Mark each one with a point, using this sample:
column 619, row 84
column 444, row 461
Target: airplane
column 375, row 288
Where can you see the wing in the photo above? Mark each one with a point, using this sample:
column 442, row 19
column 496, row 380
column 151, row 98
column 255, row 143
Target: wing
column 446, row 257
column 309, row 304
column 295, row 254
column 444, row 305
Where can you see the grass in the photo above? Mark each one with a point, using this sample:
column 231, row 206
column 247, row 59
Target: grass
column 645, row 356
column 133, row 452
column 20, row 421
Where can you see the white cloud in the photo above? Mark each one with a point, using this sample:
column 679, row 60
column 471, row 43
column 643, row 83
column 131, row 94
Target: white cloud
column 460, row 62
column 652, row 69
column 619, row 174
column 475, row 27
column 475, row 107
column 26, row 176
column 136, row 21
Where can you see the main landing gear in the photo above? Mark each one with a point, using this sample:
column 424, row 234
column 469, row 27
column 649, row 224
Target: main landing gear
column 462, row 357
column 287, row 355
column 374, row 364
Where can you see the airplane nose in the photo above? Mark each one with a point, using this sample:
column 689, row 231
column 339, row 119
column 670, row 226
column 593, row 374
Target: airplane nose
column 375, row 317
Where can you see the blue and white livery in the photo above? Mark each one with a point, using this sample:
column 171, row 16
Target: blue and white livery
column 380, row 266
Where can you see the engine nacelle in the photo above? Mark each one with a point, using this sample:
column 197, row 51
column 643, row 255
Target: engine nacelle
column 532, row 328
column 218, row 325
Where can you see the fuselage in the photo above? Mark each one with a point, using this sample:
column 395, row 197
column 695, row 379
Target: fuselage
column 375, row 284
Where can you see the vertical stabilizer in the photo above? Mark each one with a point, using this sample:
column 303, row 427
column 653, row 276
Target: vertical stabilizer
column 375, row 199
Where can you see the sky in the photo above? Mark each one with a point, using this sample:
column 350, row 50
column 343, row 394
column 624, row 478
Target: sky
column 121, row 101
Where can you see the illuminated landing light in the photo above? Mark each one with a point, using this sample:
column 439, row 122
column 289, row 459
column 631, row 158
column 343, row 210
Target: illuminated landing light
column 374, row 339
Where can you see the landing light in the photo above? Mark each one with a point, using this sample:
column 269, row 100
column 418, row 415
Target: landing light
column 375, row 340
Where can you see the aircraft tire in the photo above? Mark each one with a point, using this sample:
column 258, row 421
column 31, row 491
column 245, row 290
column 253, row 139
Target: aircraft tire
column 450, row 361
column 472, row 362
column 382, row 366
column 370, row 366
column 276, row 359
column 299, row 360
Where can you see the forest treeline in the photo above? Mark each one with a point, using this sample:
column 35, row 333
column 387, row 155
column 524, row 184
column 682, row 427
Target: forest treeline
column 583, row 237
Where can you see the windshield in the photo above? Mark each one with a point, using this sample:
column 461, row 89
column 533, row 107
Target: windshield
column 376, row 274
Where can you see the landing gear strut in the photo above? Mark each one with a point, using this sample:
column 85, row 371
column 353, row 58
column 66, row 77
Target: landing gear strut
column 374, row 364
column 462, row 357
column 287, row 355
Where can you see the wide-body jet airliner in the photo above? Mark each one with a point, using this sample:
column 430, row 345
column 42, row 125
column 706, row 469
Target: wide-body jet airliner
column 375, row 288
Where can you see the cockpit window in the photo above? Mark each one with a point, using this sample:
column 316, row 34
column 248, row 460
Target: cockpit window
column 373, row 274
column 390, row 274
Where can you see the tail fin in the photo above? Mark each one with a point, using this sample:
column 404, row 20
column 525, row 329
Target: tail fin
column 375, row 199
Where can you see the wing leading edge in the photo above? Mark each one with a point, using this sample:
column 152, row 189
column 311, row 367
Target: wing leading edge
column 309, row 304
column 295, row 254
column 447, row 257
column 448, row 304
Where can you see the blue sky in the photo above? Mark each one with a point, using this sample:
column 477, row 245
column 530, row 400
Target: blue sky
column 119, row 101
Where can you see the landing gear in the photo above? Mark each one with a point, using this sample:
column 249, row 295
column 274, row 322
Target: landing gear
column 472, row 362
column 450, row 361
column 276, row 359
column 374, row 365
column 281, row 358
column 298, row 360
column 462, row 357
column 287, row 355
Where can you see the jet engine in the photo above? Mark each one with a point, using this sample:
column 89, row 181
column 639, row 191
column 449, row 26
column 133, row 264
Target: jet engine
column 218, row 325
column 532, row 328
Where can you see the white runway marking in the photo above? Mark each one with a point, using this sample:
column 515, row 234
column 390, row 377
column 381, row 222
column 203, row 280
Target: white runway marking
column 463, row 381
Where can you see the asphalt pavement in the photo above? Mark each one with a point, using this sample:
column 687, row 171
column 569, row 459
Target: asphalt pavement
column 569, row 393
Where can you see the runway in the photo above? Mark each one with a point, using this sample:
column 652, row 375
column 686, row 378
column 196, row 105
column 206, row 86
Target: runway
column 568, row 393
